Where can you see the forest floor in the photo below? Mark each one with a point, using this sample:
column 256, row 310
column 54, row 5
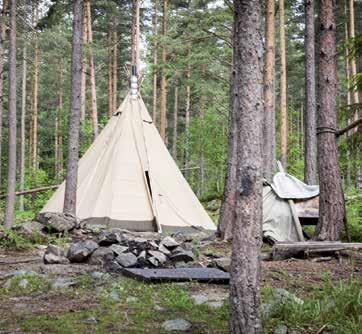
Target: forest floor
column 320, row 297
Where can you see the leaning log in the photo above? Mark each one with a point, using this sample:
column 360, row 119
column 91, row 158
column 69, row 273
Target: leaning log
column 32, row 191
column 284, row 250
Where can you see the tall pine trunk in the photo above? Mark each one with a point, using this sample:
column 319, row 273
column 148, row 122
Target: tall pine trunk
column 187, row 115
column 245, row 259
column 2, row 39
column 10, row 199
column 115, row 68
column 351, row 34
column 310, row 138
column 155, row 50
column 110, row 72
column 92, row 79
column 70, row 196
column 331, row 201
column 22, row 128
column 83, row 94
column 58, row 127
column 269, row 108
column 283, row 89
column 163, row 86
column 202, row 134
column 175, row 119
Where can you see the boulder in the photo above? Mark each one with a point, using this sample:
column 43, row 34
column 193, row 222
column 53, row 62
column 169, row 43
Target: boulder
column 160, row 257
column 164, row 250
column 169, row 242
column 126, row 260
column 109, row 238
column 80, row 251
column 54, row 255
column 176, row 325
column 185, row 256
column 58, row 222
column 101, row 255
column 154, row 262
column 28, row 229
column 118, row 249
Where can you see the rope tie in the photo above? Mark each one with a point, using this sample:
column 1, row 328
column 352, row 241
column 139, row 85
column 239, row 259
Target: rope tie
column 326, row 129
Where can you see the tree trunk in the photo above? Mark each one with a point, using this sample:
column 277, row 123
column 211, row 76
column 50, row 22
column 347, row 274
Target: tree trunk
column 115, row 68
column 331, row 201
column 58, row 132
column 163, row 86
column 187, row 115
column 110, row 72
column 84, row 67
column 10, row 200
column 227, row 209
column 92, row 79
column 353, row 59
column 283, row 90
column 310, row 138
column 22, row 129
column 154, row 87
column 269, row 108
column 175, row 118
column 202, row 136
column 70, row 196
column 2, row 39
column 34, row 159
column 245, row 259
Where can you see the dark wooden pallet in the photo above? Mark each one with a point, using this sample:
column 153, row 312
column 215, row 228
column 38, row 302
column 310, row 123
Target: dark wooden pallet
column 203, row 275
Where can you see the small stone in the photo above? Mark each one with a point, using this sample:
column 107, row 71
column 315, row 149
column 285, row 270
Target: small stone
column 54, row 255
column 153, row 261
column 170, row 243
column 281, row 329
column 101, row 256
column 164, row 250
column 114, row 295
column 126, row 260
column 153, row 245
column 108, row 238
column 161, row 258
column 80, row 251
column 131, row 299
column 282, row 295
column 159, row 308
column 58, row 222
column 62, row 282
column 97, row 275
column 223, row 263
column 90, row 321
column 199, row 299
column 180, row 325
column 23, row 283
column 180, row 264
column 118, row 249
column 185, row 256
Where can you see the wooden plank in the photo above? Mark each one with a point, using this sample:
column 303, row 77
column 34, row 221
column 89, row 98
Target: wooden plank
column 203, row 275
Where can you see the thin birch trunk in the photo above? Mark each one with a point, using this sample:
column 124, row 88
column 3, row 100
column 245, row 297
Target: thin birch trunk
column 10, row 199
column 283, row 89
column 22, row 128
column 70, row 196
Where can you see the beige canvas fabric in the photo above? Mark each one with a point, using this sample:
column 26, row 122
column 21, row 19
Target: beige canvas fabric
column 128, row 179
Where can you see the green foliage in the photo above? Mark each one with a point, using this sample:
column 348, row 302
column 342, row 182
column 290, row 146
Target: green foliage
column 35, row 283
column 9, row 239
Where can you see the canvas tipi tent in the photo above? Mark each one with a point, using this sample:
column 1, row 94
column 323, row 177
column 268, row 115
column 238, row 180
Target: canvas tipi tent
column 128, row 179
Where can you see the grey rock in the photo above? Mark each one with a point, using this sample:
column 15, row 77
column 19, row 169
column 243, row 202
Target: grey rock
column 7, row 284
column 101, row 255
column 160, row 257
column 185, row 256
column 153, row 245
column 58, row 222
column 199, row 299
column 127, row 260
column 223, row 263
column 96, row 229
column 114, row 295
column 153, row 261
column 169, row 242
column 118, row 249
column 90, row 321
column 131, row 299
column 164, row 250
column 108, row 238
column 54, row 255
column 113, row 266
column 28, row 228
column 97, row 275
column 159, row 308
column 80, row 251
column 180, row 325
column 212, row 300
column 23, row 283
column 180, row 264
column 62, row 283
column 282, row 296
column 281, row 329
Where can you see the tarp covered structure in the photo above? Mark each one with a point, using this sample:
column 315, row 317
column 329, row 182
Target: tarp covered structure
column 277, row 216
column 128, row 179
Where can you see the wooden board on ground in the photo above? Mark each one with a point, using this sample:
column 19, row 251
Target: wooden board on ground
column 203, row 275
column 285, row 250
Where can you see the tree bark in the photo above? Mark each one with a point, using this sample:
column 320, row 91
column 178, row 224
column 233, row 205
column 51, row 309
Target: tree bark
column 115, row 68
column 310, row 138
column 283, row 90
column 2, row 39
column 83, row 93
column 22, row 128
column 163, row 85
column 58, row 126
column 110, row 72
column 155, row 49
column 331, row 201
column 70, row 196
column 351, row 34
column 269, row 108
column 175, row 119
column 202, row 125
column 187, row 114
column 92, row 79
column 10, row 200
column 245, row 259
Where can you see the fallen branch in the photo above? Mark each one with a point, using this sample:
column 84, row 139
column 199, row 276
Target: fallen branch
column 349, row 127
column 32, row 191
